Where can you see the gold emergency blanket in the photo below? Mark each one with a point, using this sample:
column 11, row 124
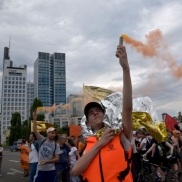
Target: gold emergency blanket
column 157, row 130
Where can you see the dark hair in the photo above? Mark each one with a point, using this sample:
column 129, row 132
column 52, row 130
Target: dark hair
column 1, row 145
column 142, row 132
column 33, row 135
column 71, row 142
column 23, row 141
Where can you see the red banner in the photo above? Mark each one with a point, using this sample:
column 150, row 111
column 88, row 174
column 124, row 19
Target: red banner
column 170, row 122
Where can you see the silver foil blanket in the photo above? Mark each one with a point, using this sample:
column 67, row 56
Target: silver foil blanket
column 113, row 109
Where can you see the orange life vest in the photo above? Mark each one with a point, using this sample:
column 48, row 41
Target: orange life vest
column 111, row 164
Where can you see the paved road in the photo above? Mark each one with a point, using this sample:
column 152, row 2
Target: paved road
column 11, row 171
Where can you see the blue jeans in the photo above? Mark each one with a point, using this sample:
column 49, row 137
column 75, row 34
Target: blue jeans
column 33, row 168
column 46, row 176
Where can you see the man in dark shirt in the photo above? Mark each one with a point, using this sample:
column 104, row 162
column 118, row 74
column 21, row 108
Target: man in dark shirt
column 63, row 165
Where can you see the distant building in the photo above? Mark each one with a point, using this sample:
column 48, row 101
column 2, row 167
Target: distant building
column 14, row 90
column 76, row 105
column 60, row 120
column 75, row 120
column 30, row 97
column 50, row 79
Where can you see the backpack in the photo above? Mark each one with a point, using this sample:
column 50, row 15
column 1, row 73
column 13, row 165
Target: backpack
column 54, row 148
column 36, row 145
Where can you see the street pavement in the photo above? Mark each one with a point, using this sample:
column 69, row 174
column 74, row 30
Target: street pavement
column 11, row 171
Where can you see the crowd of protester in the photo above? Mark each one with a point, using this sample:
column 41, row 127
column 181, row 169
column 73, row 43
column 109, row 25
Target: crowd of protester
column 166, row 154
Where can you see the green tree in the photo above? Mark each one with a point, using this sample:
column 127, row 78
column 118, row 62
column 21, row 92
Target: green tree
column 15, row 129
column 24, row 129
column 40, row 117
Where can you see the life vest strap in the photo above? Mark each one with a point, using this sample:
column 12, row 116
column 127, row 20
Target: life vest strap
column 124, row 173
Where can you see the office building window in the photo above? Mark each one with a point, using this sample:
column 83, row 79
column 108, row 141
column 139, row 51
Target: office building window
column 4, row 108
column 13, row 86
column 9, row 95
column 8, row 104
column 4, row 113
column 4, row 104
column 4, row 99
column 9, row 78
column 9, row 86
column 19, row 108
column 9, row 82
column 19, row 95
column 13, row 82
column 24, row 78
column 12, row 104
column 16, row 82
column 5, row 86
column 5, row 82
column 4, row 117
column 13, row 78
column 20, row 82
column 5, row 95
column 20, row 78
column 12, row 95
column 19, row 87
column 9, row 90
column 16, row 78
column 19, row 104
column 6, row 77
column 5, row 90
column 23, row 83
column 16, row 95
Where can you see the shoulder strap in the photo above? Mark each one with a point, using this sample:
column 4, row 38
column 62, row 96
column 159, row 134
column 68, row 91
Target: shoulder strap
column 55, row 149
column 36, row 145
column 42, row 143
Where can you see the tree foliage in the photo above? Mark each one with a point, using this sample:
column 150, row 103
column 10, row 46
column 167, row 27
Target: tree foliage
column 15, row 129
column 40, row 117
column 24, row 129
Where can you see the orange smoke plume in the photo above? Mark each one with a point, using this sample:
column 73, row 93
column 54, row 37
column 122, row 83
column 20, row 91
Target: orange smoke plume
column 48, row 109
column 156, row 47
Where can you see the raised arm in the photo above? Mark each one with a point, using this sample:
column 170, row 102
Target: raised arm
column 37, row 134
column 127, row 92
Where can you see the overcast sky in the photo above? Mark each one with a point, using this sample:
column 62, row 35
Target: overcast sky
column 88, row 32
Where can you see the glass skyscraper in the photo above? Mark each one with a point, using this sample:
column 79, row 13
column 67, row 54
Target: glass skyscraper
column 50, row 78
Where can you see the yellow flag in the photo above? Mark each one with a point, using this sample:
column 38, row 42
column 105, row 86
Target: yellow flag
column 41, row 126
column 95, row 94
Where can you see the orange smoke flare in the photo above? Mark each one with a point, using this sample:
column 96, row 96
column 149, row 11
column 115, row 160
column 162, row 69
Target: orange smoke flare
column 156, row 47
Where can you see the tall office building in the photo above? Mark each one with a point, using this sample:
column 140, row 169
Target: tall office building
column 30, row 97
column 14, row 90
column 50, row 78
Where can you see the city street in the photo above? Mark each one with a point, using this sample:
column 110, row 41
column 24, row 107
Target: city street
column 11, row 172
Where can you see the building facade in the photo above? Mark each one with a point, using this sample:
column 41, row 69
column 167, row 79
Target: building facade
column 14, row 90
column 76, row 103
column 50, row 78
column 30, row 97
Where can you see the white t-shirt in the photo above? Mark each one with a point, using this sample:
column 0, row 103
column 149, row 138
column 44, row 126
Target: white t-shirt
column 33, row 155
column 143, row 140
column 73, row 155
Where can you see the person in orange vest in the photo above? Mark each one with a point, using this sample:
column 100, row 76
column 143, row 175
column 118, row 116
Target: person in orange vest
column 108, row 159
